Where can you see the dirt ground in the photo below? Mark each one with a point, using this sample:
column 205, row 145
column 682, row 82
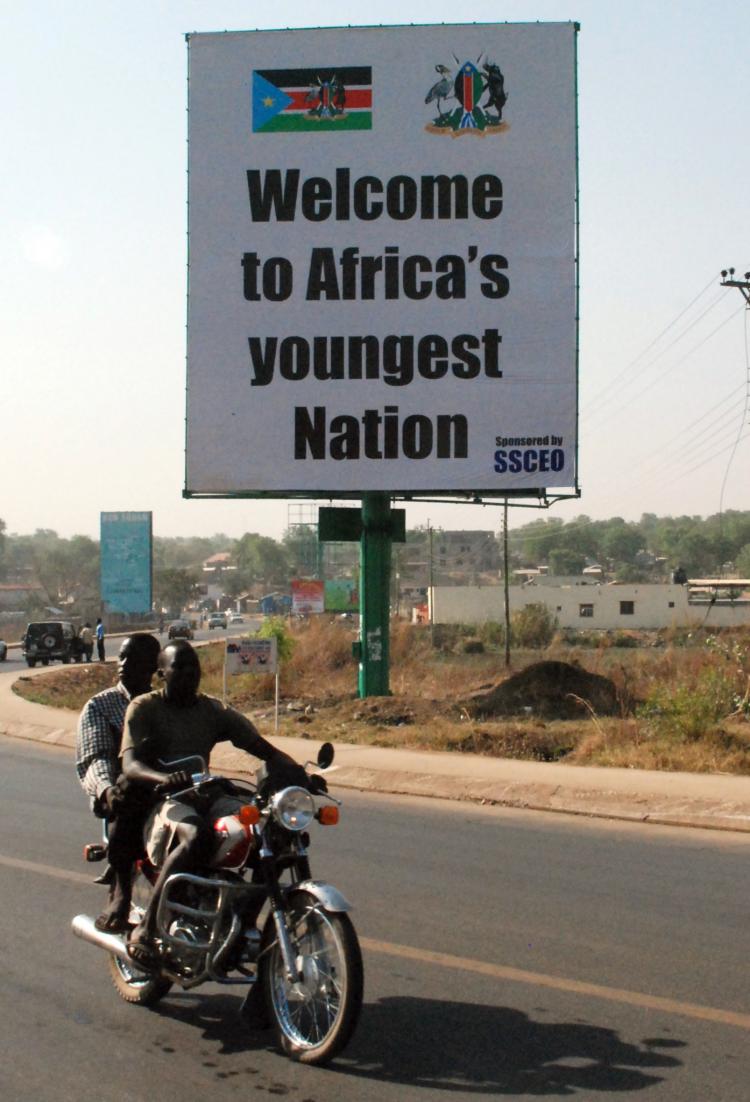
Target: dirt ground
column 560, row 704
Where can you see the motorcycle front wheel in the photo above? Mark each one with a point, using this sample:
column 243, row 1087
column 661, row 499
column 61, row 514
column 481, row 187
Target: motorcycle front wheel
column 136, row 986
column 315, row 1016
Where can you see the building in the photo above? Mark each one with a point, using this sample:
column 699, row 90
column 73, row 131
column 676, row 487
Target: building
column 590, row 606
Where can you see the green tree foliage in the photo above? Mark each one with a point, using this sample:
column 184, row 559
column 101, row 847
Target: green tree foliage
column 188, row 552
column 302, row 549
column 274, row 626
column 701, row 546
column 564, row 562
column 67, row 569
column 742, row 562
column 173, row 587
column 621, row 542
column 260, row 559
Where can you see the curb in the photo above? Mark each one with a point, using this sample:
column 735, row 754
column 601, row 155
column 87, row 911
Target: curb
column 675, row 811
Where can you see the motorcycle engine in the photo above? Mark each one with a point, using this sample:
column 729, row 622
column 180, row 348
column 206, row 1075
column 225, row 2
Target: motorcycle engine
column 188, row 960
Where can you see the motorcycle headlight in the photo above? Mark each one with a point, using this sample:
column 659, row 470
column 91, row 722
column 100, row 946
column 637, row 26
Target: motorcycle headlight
column 293, row 807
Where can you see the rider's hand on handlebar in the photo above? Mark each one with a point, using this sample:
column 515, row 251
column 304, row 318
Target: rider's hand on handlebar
column 283, row 772
column 181, row 778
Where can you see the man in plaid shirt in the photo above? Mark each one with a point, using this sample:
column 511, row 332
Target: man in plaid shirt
column 97, row 764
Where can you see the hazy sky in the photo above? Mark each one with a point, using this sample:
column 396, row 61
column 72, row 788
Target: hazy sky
column 93, row 240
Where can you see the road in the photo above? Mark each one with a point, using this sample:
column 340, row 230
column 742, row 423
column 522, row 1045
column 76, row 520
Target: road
column 507, row 954
column 250, row 625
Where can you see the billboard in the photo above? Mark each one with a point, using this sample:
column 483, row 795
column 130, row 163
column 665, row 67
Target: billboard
column 382, row 260
column 251, row 656
column 126, row 561
column 308, row 596
column 341, row 595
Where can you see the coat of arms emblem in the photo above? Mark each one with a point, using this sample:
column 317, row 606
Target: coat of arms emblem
column 479, row 95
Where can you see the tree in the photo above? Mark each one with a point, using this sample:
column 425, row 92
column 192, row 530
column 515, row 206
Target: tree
column 534, row 541
column 742, row 561
column 564, row 562
column 303, row 550
column 173, row 587
column 2, row 548
column 260, row 559
column 621, row 541
column 188, row 552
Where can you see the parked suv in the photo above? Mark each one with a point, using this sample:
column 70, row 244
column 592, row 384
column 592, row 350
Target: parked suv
column 48, row 640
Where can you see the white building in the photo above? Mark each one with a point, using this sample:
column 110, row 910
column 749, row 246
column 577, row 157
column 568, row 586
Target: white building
column 591, row 606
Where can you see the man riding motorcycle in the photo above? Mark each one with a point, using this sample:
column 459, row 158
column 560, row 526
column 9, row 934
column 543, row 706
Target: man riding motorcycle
column 169, row 725
column 97, row 765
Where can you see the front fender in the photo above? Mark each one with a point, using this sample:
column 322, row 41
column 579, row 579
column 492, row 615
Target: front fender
column 330, row 898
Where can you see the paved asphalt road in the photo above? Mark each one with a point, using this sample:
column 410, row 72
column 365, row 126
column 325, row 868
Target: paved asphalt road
column 507, row 954
column 250, row 624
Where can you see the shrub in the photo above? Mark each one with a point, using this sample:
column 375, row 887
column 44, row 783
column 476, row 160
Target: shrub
column 492, row 634
column 533, row 626
column 277, row 627
column 692, row 709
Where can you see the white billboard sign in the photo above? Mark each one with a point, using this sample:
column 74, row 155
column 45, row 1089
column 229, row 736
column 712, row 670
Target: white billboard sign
column 382, row 260
column 251, row 656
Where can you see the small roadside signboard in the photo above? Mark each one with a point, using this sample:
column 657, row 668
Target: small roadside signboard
column 253, row 655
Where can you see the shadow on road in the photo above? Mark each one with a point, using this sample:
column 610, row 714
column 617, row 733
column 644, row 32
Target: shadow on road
column 462, row 1047
column 496, row 1050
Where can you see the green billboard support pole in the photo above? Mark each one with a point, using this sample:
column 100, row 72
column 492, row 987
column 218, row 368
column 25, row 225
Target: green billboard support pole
column 374, row 595
column 375, row 528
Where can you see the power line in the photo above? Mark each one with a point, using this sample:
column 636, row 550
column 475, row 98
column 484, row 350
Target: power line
column 612, row 390
column 654, row 341
column 668, row 456
column 678, row 363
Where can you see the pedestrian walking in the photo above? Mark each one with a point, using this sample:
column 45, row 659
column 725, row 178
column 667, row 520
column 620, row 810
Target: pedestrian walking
column 86, row 636
column 99, row 631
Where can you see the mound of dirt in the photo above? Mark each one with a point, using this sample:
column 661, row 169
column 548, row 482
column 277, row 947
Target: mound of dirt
column 551, row 689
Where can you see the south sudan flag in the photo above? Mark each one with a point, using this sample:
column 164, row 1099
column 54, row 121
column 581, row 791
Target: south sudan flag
column 312, row 99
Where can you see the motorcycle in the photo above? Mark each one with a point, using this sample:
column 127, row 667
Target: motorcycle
column 255, row 917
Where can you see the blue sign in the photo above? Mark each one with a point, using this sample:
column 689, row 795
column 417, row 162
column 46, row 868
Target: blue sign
column 126, row 562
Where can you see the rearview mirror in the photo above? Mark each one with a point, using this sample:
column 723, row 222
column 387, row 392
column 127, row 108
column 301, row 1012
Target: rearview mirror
column 325, row 755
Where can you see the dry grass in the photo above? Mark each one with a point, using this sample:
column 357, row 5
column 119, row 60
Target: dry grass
column 683, row 703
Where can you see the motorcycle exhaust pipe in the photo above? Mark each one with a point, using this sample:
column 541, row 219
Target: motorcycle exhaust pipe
column 84, row 927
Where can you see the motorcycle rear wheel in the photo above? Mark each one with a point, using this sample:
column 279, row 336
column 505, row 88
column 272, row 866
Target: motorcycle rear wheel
column 315, row 1018
column 136, row 986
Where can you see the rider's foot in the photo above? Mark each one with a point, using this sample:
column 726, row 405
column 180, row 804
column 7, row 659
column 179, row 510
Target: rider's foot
column 141, row 948
column 112, row 922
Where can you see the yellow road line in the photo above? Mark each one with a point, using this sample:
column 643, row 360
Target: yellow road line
column 481, row 967
column 45, row 870
column 558, row 983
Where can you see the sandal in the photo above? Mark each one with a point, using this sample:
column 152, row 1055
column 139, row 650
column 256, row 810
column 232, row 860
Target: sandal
column 112, row 923
column 142, row 951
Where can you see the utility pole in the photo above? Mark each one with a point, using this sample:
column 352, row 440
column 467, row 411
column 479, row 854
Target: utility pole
column 432, row 589
column 742, row 285
column 506, row 582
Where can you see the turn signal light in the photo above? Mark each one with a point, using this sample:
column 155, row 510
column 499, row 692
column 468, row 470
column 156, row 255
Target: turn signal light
column 328, row 815
column 248, row 815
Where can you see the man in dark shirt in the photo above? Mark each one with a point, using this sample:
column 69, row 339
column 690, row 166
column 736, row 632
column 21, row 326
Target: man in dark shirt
column 164, row 727
column 98, row 767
